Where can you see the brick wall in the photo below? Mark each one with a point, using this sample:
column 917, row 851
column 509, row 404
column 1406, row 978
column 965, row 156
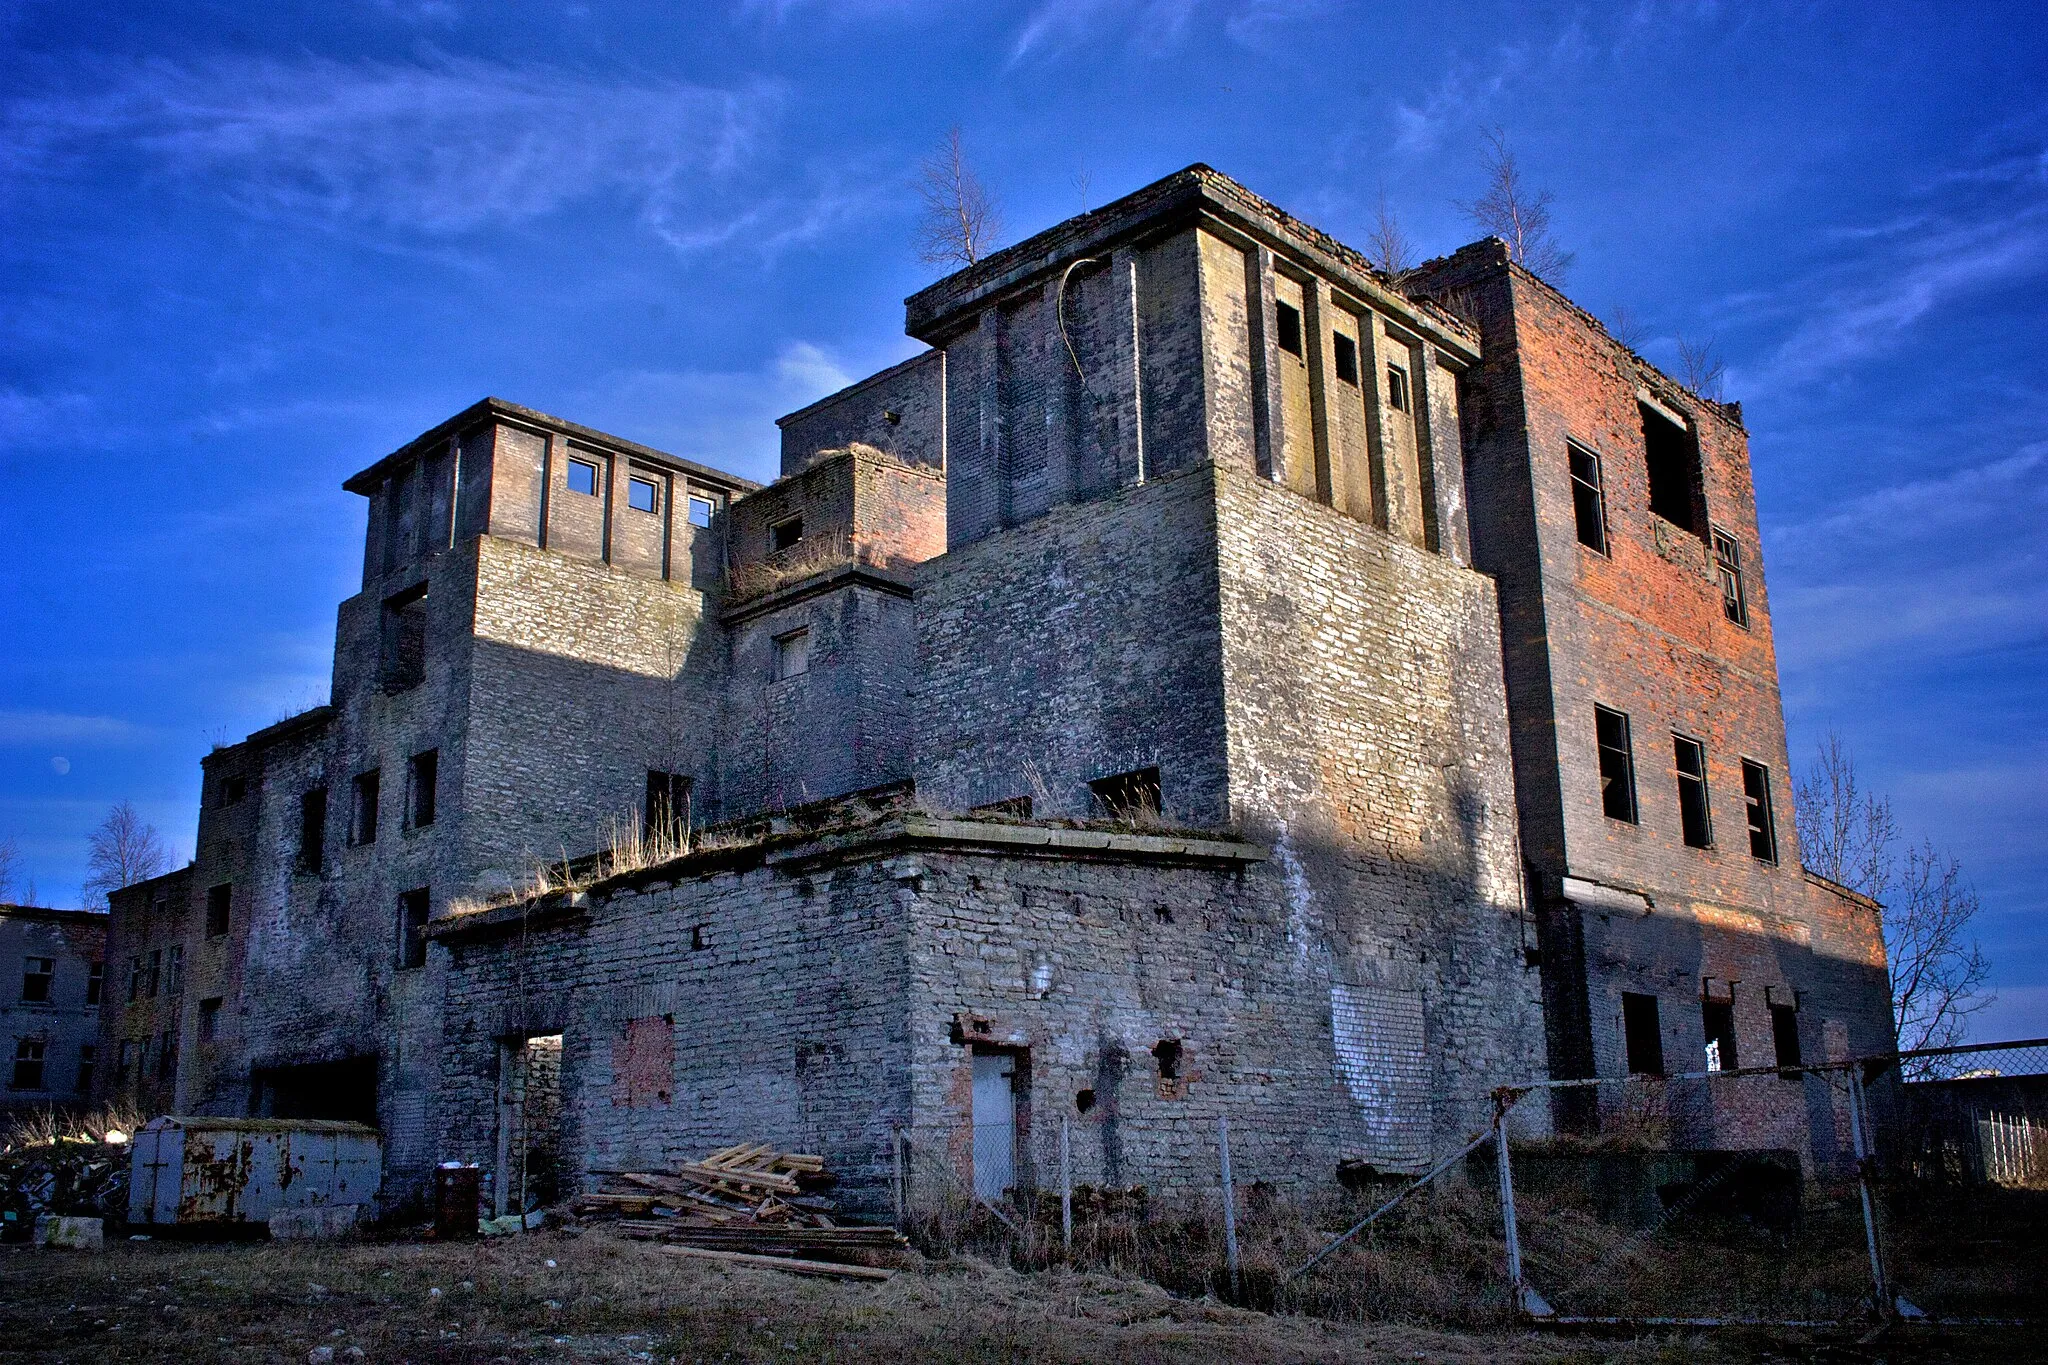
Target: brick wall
column 63, row 1026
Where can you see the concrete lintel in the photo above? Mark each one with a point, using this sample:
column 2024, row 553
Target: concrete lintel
column 1029, row 840
column 1599, row 896
column 824, row 581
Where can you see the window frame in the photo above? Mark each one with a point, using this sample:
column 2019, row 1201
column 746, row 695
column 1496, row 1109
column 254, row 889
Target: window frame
column 1400, row 390
column 710, row 506
column 1717, row 1025
column 1596, row 489
column 792, row 644
column 1344, row 358
column 29, row 1052
column 366, row 794
column 1627, row 757
column 778, row 543
column 1680, row 741
column 1728, row 566
column 1633, row 1025
column 634, row 482
column 1287, row 323
column 1765, row 833
column 95, row 984
column 38, row 987
column 571, row 463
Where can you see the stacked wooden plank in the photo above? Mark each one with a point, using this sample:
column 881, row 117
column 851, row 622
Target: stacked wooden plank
column 749, row 1203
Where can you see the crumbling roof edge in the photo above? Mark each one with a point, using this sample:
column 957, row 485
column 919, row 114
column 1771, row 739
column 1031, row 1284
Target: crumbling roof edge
column 856, row 386
column 50, row 914
column 311, row 718
column 825, row 580
column 1852, row 896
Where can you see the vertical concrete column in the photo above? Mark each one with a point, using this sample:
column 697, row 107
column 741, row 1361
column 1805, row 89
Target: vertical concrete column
column 1372, row 379
column 1442, row 457
column 1060, row 382
column 1266, row 415
column 1315, row 299
column 988, row 393
column 971, row 506
column 1129, row 378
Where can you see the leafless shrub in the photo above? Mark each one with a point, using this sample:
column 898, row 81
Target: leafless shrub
column 1517, row 214
column 961, row 219
column 10, row 869
column 1388, row 247
column 1701, row 369
column 45, row 1126
column 125, row 849
column 1625, row 327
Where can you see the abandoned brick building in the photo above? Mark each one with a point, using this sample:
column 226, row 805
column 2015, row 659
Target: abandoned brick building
column 1209, row 680
column 49, row 1014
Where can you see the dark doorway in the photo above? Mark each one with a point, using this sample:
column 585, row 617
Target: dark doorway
column 346, row 1089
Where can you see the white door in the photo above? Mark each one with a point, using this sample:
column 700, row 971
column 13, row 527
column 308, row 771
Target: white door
column 995, row 1124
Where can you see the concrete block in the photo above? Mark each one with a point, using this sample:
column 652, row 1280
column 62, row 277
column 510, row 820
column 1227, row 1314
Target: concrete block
column 70, row 1234
column 315, row 1225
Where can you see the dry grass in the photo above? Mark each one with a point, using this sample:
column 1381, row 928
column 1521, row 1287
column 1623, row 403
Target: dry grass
column 43, row 1127
column 809, row 556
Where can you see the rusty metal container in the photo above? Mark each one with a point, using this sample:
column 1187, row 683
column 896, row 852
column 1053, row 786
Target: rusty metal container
column 456, row 1188
column 193, row 1170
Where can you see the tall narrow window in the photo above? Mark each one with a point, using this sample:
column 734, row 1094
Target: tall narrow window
column 1641, row 1035
column 28, row 1065
column 668, row 807
column 219, row 901
column 134, row 979
column 1694, row 818
column 1763, row 826
column 1288, row 329
column 167, row 1055
column 174, row 970
column 1128, row 796
column 153, row 972
column 36, row 975
column 1673, row 457
column 1728, row 561
column 412, row 923
column 1785, row 1034
column 1617, row 765
column 422, row 776
column 95, row 982
column 1344, row 351
column 1717, row 1017
column 1397, row 388
column 313, row 830
column 86, row 1055
column 209, row 1019
column 405, row 639
column 1587, row 504
column 362, row 818
column 792, row 654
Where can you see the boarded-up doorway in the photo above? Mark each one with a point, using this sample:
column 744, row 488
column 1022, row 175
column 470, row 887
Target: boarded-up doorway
column 532, row 1153
column 995, row 1124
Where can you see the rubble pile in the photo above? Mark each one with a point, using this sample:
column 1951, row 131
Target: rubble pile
column 69, row 1176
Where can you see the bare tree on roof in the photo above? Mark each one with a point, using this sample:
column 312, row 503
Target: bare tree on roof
column 1517, row 214
column 1700, row 368
column 124, row 850
column 1625, row 327
column 961, row 219
column 1849, row 836
column 1388, row 247
column 10, row 869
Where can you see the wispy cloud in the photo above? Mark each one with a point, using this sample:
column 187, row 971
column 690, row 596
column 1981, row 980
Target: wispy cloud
column 27, row 728
column 440, row 148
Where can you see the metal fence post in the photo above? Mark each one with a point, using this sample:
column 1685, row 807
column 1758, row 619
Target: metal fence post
column 1066, row 1189
column 1526, row 1299
column 896, row 1174
column 1229, row 1205
column 1860, row 1145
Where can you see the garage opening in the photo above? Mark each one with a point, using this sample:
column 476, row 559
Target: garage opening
column 532, row 1153
column 344, row 1089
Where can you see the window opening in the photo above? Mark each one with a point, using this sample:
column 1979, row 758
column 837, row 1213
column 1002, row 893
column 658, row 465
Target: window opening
column 87, row 1053
column 1163, row 914
column 643, row 495
column 167, row 1055
column 1785, row 1034
column 362, row 821
column 405, row 639
column 1642, row 1034
column 1288, row 329
column 784, row 534
column 233, row 789
column 218, row 901
column 1397, row 388
column 313, row 830
column 209, row 1019
column 174, row 970
column 1728, row 562
column 153, row 972
column 423, row 775
column 792, row 654
column 134, row 979
column 1084, row 1100
column 1344, row 351
column 125, row 1062
column 1617, row 765
column 701, row 510
column 36, row 975
column 668, row 807
column 700, row 937
column 28, row 1065
column 1588, row 506
column 1763, row 826
column 1717, row 1017
column 95, row 982
column 412, row 923
column 582, row 477
column 1693, row 815
column 1167, row 1054
column 1673, row 457
column 1129, row 796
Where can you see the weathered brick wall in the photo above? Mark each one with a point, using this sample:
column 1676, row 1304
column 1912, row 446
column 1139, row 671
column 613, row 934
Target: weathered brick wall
column 899, row 411
column 65, row 1022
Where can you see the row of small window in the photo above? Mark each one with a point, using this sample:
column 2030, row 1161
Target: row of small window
column 39, row 981
column 1590, row 512
column 1642, row 1034
column 162, row 970
column 366, row 790
column 642, row 494
column 1689, row 758
column 1343, row 356
column 31, row 1066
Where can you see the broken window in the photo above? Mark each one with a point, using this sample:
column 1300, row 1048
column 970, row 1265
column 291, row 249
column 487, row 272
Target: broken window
column 313, row 830
column 1345, row 352
column 36, row 975
column 1763, row 827
column 126, row 1061
column 1167, row 1054
column 86, row 1055
column 1397, row 388
column 1717, row 1017
column 405, row 639
column 209, row 1019
column 643, row 495
column 28, row 1064
column 1587, row 504
column 95, row 982
column 152, row 972
column 1785, row 1033
column 792, row 654
column 701, row 510
column 174, row 970
column 700, row 937
column 412, row 923
column 1693, row 816
column 668, row 806
column 1617, row 765
column 1642, row 1036
column 134, row 979
column 362, row 817
column 784, row 534
column 1128, row 796
column 1728, row 562
column 1673, row 457
column 233, row 789
column 582, row 477
column 422, row 776
column 1288, row 329
column 167, row 1055
column 218, row 900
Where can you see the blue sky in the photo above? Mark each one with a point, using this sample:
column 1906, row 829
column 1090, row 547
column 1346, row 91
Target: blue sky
column 245, row 250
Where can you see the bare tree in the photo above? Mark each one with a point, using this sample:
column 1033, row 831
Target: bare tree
column 1517, row 214
column 1625, row 327
column 961, row 219
column 1082, row 182
column 125, row 849
column 1702, row 370
column 10, row 869
column 1389, row 248
column 1849, row 836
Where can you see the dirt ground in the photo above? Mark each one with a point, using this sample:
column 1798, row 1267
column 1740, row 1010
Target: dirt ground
column 593, row 1297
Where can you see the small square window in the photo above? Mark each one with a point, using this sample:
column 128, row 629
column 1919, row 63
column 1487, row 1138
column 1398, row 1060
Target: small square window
column 583, row 477
column 784, row 534
column 1345, row 352
column 233, row 789
column 643, row 495
column 792, row 654
column 1397, row 388
column 1132, row 796
column 701, row 510
column 1288, row 330
column 219, row 900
